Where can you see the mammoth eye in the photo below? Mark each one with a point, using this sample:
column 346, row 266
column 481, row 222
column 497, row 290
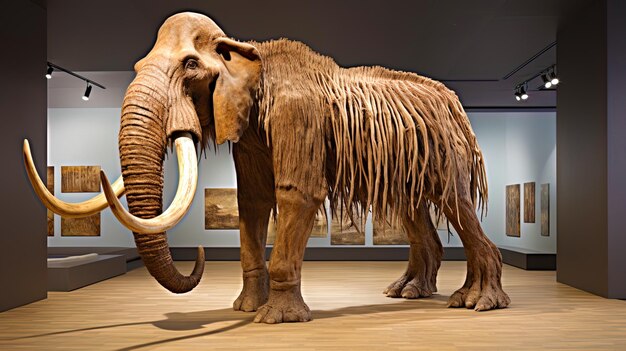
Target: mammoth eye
column 191, row 64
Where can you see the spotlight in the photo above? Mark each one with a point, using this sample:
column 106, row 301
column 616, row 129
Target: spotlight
column 87, row 92
column 49, row 72
column 547, row 82
column 552, row 76
column 555, row 81
column 518, row 95
column 523, row 93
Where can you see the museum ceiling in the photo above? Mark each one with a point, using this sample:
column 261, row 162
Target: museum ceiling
column 470, row 45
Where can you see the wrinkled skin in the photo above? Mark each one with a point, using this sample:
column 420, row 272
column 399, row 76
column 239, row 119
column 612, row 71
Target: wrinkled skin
column 266, row 98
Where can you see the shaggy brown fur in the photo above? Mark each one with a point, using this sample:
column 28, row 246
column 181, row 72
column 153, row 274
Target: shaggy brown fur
column 388, row 139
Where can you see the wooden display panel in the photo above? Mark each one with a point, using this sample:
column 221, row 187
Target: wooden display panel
column 545, row 209
column 80, row 179
column 513, row 210
column 529, row 202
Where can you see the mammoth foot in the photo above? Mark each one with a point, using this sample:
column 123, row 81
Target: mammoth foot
column 254, row 293
column 410, row 288
column 480, row 299
column 482, row 290
column 283, row 306
column 420, row 278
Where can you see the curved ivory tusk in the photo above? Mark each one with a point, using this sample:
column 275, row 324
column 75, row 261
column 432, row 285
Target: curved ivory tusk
column 66, row 209
column 187, row 181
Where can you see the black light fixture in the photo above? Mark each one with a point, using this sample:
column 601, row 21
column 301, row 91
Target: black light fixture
column 523, row 92
column 87, row 92
column 548, row 78
column 52, row 67
column 49, row 72
column 553, row 78
column 520, row 92
column 547, row 81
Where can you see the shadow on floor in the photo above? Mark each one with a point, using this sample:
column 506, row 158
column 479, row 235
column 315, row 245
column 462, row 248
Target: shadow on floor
column 187, row 321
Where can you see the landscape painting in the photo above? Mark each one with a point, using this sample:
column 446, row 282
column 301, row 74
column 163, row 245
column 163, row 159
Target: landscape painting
column 220, row 208
column 320, row 226
column 343, row 231
column 86, row 226
column 388, row 234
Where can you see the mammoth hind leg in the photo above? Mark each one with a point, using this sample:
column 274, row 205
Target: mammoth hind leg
column 420, row 278
column 482, row 289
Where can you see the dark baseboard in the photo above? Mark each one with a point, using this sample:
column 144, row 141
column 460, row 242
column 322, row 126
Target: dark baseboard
column 318, row 253
column 134, row 264
column 518, row 257
column 528, row 259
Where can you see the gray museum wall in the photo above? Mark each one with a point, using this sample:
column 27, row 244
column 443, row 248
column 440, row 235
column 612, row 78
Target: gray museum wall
column 518, row 146
column 23, row 104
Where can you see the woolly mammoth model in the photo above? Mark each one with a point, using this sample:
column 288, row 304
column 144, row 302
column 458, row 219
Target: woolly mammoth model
column 304, row 129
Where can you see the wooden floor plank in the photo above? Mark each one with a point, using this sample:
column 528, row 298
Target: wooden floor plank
column 132, row 312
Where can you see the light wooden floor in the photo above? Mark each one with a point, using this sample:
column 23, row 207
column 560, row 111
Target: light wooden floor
column 132, row 312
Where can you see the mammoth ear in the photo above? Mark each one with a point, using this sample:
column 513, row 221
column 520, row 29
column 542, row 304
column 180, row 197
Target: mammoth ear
column 235, row 89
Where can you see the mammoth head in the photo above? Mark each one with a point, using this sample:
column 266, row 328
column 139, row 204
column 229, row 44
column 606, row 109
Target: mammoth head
column 209, row 81
column 194, row 85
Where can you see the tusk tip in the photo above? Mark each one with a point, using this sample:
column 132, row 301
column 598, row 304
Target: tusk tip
column 103, row 177
column 106, row 186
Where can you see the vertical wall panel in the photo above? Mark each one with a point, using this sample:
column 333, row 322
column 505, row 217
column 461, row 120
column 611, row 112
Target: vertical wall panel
column 23, row 276
column 616, row 146
column 591, row 136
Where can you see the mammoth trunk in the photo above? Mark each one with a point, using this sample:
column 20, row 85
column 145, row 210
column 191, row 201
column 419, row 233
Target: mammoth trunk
column 142, row 146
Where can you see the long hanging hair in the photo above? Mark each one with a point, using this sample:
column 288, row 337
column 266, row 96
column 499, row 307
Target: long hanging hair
column 391, row 139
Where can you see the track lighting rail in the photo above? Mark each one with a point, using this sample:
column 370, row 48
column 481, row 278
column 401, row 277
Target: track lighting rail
column 59, row 68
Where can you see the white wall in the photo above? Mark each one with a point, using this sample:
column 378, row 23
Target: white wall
column 518, row 147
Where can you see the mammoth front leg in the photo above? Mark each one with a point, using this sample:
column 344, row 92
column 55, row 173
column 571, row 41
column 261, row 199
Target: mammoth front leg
column 295, row 221
column 253, row 222
column 255, row 196
column 420, row 278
